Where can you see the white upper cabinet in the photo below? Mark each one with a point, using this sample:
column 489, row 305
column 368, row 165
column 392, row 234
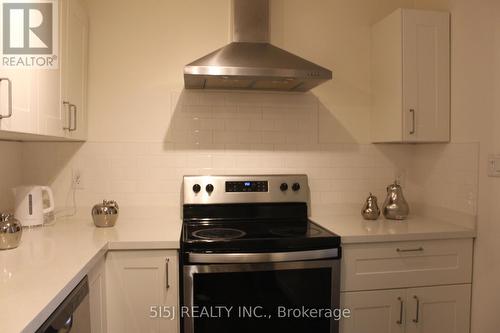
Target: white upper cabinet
column 50, row 104
column 74, row 69
column 411, row 77
column 18, row 116
column 50, row 111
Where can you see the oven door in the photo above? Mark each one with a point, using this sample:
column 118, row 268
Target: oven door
column 287, row 296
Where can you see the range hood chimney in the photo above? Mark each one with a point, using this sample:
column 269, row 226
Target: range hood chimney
column 250, row 62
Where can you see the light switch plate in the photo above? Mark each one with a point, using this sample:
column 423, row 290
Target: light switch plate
column 494, row 165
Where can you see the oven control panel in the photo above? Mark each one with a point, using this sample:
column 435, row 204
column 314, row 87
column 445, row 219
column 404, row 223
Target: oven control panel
column 245, row 189
column 247, row 186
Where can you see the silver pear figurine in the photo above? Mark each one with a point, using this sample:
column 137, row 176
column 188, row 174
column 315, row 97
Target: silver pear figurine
column 370, row 210
column 395, row 206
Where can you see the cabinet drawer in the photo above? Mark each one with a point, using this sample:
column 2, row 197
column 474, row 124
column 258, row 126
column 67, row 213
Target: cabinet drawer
column 406, row 264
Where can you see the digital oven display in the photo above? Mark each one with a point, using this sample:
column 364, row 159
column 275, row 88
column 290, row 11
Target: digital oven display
column 247, row 186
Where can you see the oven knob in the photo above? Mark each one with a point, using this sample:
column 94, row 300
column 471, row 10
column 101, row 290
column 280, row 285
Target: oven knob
column 196, row 188
column 209, row 188
column 296, row 187
column 284, row 187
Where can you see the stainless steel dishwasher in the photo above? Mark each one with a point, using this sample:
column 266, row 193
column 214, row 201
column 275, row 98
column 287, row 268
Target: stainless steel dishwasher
column 73, row 315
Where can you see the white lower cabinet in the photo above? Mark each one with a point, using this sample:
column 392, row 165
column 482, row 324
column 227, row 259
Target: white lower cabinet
column 372, row 311
column 433, row 278
column 138, row 284
column 443, row 309
column 97, row 297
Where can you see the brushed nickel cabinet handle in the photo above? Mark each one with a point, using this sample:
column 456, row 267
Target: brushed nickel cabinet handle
column 400, row 321
column 70, row 121
column 167, row 284
column 412, row 131
column 72, row 107
column 9, row 82
column 418, row 310
column 419, row 249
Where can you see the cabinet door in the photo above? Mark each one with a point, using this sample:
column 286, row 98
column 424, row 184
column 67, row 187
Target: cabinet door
column 426, row 76
column 97, row 297
column 443, row 309
column 74, row 68
column 137, row 281
column 24, row 95
column 50, row 111
column 374, row 311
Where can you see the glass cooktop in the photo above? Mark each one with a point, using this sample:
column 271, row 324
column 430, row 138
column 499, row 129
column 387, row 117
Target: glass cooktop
column 253, row 236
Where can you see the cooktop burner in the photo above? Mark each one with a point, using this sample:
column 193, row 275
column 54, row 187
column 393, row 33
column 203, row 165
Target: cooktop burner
column 219, row 234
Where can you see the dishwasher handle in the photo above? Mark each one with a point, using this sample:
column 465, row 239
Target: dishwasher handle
column 68, row 325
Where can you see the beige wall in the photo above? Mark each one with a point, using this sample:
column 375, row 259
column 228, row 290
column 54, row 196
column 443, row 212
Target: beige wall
column 475, row 117
column 137, row 53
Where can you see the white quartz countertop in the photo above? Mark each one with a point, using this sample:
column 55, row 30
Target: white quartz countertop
column 354, row 229
column 50, row 261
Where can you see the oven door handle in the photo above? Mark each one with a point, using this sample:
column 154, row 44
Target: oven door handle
column 239, row 258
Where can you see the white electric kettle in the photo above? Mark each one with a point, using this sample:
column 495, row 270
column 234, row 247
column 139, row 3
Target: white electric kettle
column 29, row 201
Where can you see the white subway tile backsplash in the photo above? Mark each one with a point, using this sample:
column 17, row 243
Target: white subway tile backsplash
column 237, row 124
column 212, row 124
column 249, row 137
column 123, row 162
column 226, row 137
column 286, row 124
column 199, row 161
column 300, row 137
column 244, row 99
column 273, row 137
column 212, row 98
column 249, row 112
column 261, row 125
column 200, row 137
column 253, row 133
column 225, row 112
column 200, row 111
column 123, row 186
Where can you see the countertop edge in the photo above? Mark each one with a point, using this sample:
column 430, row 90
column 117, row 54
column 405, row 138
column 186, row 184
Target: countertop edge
column 143, row 245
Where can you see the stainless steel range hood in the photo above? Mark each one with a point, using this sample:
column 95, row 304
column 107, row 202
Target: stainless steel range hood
column 250, row 62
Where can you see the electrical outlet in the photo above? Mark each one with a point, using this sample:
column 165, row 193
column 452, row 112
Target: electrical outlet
column 77, row 180
column 494, row 165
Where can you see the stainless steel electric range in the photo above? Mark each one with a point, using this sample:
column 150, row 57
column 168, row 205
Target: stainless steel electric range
column 252, row 261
